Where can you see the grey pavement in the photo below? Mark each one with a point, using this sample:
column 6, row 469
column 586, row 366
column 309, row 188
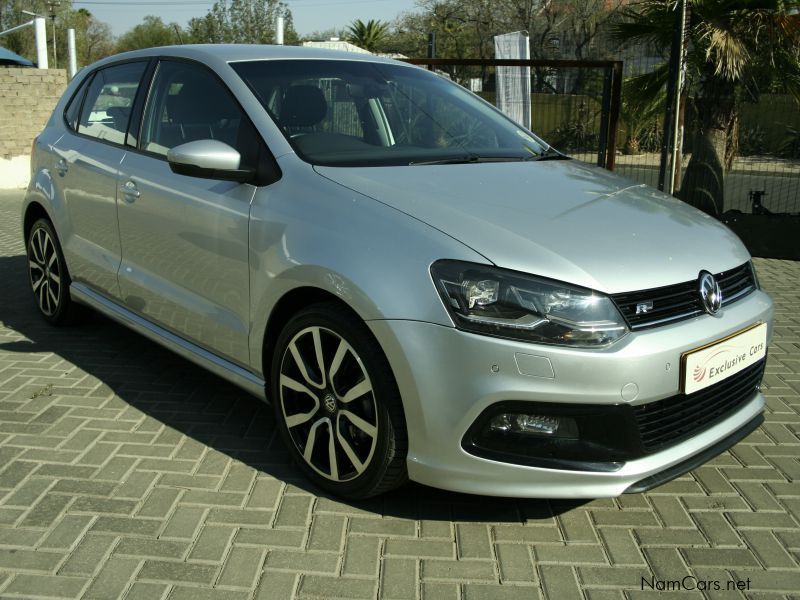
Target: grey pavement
column 127, row 472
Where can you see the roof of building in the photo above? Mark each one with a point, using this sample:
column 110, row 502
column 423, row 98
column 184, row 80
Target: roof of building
column 10, row 58
column 340, row 45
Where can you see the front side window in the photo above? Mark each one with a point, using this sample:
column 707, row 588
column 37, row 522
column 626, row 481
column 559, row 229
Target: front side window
column 187, row 103
column 353, row 113
column 107, row 109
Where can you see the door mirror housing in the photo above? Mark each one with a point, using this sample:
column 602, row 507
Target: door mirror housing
column 209, row 159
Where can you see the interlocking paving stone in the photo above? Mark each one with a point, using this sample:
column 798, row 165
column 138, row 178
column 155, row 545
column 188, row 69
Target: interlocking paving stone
column 178, row 571
column 315, row 586
column 327, row 532
column 310, row 562
column 212, row 543
column 473, row 591
column 46, row 586
column 241, row 567
column 361, row 556
column 399, row 578
column 126, row 472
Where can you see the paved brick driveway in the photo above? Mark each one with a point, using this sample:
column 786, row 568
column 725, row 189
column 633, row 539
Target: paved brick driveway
column 127, row 472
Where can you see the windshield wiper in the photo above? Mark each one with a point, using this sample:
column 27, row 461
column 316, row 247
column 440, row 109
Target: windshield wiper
column 466, row 159
column 549, row 154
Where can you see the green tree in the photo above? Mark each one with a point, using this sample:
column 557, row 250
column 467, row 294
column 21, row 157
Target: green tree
column 466, row 28
column 93, row 39
column 150, row 33
column 730, row 42
column 641, row 108
column 324, row 35
column 242, row 22
column 367, row 35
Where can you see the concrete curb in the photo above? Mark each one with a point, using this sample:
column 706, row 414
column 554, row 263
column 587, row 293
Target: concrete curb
column 15, row 173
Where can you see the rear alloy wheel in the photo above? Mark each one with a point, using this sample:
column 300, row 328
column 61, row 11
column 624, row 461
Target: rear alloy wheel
column 48, row 273
column 338, row 405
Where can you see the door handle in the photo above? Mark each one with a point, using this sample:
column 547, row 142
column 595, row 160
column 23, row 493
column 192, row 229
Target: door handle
column 129, row 191
column 61, row 167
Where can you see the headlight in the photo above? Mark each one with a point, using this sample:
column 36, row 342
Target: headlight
column 508, row 304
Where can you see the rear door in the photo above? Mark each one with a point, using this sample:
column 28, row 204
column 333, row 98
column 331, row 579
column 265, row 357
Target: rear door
column 185, row 239
column 87, row 167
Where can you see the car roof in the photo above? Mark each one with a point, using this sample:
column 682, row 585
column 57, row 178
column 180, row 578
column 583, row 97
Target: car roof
column 217, row 53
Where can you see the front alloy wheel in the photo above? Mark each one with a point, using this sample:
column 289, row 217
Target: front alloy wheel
column 337, row 403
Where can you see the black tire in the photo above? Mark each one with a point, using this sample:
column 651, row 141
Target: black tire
column 48, row 275
column 379, row 463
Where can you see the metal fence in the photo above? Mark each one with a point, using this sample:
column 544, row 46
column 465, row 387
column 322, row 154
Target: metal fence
column 580, row 107
column 574, row 104
column 764, row 175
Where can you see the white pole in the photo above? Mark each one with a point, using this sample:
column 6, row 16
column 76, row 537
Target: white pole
column 677, row 139
column 73, row 60
column 279, row 32
column 17, row 28
column 41, row 42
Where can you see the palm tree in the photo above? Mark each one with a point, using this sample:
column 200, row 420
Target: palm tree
column 640, row 108
column 730, row 42
column 367, row 35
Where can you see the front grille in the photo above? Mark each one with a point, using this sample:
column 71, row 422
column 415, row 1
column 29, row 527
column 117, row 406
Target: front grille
column 672, row 420
column 681, row 301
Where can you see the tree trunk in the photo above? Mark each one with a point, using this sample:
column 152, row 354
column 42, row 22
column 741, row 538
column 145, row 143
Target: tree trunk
column 704, row 182
column 631, row 146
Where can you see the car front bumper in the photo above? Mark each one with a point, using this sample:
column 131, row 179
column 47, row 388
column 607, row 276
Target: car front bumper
column 447, row 378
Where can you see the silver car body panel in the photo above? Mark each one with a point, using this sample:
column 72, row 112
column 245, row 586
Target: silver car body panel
column 344, row 249
column 198, row 355
column 447, row 379
column 208, row 154
column 185, row 253
column 85, row 178
column 199, row 266
column 551, row 219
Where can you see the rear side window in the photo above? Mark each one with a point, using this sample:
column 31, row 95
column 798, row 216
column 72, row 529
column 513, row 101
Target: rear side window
column 109, row 99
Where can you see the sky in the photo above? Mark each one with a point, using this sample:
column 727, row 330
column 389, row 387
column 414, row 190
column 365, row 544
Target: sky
column 309, row 15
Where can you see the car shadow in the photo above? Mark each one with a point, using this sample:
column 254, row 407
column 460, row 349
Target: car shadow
column 206, row 408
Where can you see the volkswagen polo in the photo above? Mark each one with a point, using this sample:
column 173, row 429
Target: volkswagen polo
column 421, row 287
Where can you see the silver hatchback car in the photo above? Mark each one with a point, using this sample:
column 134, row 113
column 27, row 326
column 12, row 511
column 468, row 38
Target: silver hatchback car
column 422, row 288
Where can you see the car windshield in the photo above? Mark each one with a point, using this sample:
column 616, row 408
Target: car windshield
column 358, row 113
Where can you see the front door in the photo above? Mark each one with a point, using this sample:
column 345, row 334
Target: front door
column 185, row 239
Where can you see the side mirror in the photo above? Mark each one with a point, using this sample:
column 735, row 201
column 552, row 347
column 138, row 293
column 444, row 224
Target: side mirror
column 209, row 159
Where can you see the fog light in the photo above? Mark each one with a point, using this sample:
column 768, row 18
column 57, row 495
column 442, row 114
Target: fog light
column 538, row 425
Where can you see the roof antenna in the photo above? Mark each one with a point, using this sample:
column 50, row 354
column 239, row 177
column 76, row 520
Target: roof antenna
column 178, row 33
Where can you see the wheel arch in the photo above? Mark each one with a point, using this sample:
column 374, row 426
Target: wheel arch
column 33, row 212
column 292, row 302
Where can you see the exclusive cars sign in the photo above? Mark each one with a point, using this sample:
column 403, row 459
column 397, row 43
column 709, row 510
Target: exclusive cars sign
column 713, row 363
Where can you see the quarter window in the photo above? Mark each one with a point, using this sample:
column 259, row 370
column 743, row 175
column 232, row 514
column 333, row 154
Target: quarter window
column 74, row 106
column 107, row 109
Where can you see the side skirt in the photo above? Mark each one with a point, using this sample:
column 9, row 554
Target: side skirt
column 211, row 362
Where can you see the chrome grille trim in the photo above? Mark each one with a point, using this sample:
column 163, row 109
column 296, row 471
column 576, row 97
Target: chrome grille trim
column 681, row 301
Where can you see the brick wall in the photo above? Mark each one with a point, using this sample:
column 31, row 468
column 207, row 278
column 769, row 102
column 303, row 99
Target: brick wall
column 27, row 97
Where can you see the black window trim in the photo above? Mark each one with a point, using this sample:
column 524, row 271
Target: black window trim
column 274, row 169
column 88, row 80
column 82, row 88
column 139, row 102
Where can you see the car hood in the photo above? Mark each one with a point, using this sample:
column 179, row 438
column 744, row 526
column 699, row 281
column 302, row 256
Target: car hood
column 560, row 219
